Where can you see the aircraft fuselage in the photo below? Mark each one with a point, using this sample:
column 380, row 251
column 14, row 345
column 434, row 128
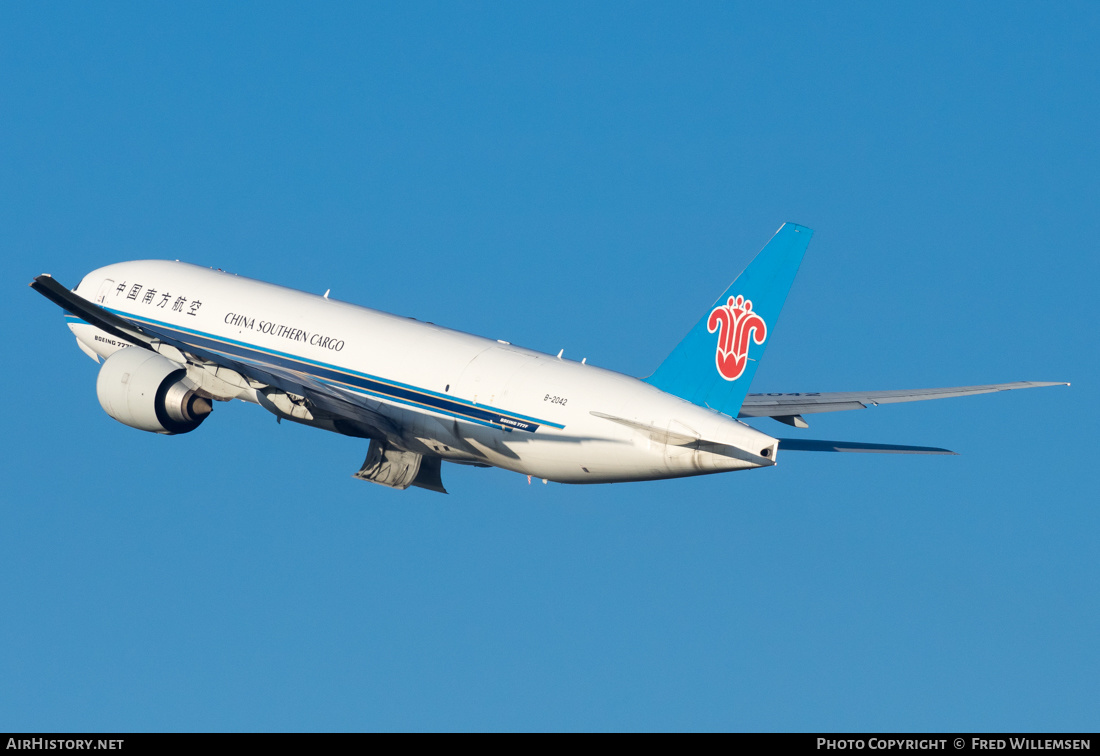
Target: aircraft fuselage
column 448, row 394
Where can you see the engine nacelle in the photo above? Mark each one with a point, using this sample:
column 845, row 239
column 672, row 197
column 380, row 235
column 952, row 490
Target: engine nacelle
column 141, row 389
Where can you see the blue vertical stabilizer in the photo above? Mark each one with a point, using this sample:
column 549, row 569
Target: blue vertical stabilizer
column 714, row 364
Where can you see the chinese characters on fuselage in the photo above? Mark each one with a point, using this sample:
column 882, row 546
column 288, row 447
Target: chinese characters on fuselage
column 147, row 295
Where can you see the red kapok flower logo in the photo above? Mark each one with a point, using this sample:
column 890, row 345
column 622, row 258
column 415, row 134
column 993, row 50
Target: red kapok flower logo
column 736, row 323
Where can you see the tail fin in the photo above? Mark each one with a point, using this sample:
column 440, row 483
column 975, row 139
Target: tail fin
column 714, row 364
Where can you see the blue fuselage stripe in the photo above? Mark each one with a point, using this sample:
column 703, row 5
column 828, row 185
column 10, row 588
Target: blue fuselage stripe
column 344, row 378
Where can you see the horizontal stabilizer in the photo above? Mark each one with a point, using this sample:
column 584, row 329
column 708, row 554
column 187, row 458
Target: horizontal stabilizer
column 800, row 444
column 805, row 403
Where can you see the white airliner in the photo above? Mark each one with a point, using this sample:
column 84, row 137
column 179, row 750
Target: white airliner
column 172, row 337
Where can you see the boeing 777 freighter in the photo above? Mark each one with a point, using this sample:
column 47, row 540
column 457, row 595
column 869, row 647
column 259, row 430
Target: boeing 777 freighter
column 173, row 338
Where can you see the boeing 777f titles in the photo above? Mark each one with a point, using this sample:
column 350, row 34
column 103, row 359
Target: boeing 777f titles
column 174, row 338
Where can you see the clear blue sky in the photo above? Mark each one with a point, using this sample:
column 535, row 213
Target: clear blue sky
column 586, row 176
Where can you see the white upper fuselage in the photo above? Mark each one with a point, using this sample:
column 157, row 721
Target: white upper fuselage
column 450, row 394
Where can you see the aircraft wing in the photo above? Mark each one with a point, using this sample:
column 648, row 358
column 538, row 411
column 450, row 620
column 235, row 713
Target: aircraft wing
column 330, row 398
column 788, row 408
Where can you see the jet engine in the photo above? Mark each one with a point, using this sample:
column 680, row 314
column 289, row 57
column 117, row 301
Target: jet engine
column 144, row 390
